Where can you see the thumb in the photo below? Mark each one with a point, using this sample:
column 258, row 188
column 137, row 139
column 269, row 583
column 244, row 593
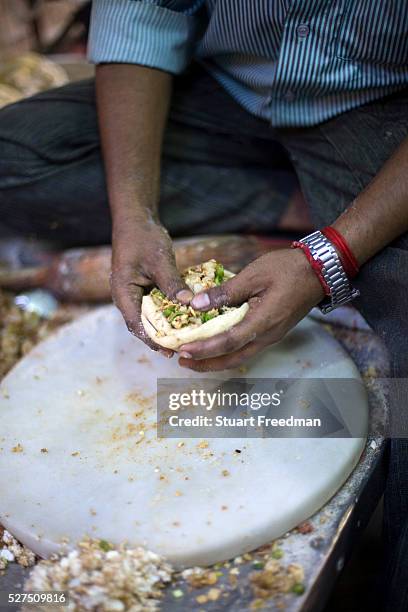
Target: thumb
column 169, row 281
column 231, row 293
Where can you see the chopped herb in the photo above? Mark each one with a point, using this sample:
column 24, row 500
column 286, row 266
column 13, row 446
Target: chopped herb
column 207, row 316
column 175, row 314
column 277, row 553
column 258, row 565
column 157, row 296
column 298, row 588
column 167, row 311
column 104, row 545
column 219, row 274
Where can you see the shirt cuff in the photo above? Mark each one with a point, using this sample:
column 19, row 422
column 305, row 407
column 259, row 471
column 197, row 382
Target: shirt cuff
column 136, row 32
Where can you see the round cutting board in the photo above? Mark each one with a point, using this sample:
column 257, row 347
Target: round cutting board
column 73, row 461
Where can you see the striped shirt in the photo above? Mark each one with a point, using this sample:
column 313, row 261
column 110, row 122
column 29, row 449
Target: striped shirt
column 291, row 62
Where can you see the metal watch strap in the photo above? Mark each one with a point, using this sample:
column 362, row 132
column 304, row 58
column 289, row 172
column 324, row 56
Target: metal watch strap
column 341, row 291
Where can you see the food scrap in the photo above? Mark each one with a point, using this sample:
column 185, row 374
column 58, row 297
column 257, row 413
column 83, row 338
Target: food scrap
column 199, row 577
column 276, row 579
column 100, row 576
column 21, row 330
column 12, row 551
column 305, row 527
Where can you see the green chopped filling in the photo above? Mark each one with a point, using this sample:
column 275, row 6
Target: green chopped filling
column 277, row 553
column 104, row 545
column 298, row 588
column 219, row 274
column 157, row 293
column 207, row 316
column 174, row 314
column 258, row 565
column 180, row 315
column 157, row 296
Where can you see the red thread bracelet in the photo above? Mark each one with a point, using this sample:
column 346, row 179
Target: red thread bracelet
column 317, row 266
column 348, row 260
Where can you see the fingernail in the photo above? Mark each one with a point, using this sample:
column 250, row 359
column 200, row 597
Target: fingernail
column 166, row 353
column 184, row 295
column 200, row 301
column 185, row 355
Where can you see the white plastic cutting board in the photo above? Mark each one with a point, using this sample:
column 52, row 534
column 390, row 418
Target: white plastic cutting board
column 74, row 405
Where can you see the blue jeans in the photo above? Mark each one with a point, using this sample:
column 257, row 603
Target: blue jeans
column 223, row 171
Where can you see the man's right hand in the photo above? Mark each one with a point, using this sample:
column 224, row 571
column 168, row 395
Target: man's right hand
column 131, row 126
column 143, row 256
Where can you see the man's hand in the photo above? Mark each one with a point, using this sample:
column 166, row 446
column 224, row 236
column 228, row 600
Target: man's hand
column 131, row 128
column 143, row 256
column 280, row 288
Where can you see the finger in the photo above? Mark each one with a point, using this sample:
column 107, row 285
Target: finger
column 169, row 281
column 252, row 325
column 128, row 298
column 231, row 293
column 226, row 362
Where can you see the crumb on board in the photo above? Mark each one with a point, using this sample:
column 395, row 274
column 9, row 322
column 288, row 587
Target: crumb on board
column 143, row 359
column 203, row 444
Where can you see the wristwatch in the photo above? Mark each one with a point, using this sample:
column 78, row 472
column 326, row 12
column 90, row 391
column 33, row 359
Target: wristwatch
column 341, row 291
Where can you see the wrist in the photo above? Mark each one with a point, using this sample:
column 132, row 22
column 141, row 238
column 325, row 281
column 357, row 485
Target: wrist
column 343, row 251
column 127, row 219
column 356, row 237
column 307, row 277
column 326, row 264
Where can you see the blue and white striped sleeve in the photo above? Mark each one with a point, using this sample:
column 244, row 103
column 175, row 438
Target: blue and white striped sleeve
column 156, row 33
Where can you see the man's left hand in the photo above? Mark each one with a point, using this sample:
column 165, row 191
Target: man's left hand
column 280, row 288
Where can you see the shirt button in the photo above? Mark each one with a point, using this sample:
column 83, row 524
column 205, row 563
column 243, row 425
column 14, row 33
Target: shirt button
column 303, row 30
